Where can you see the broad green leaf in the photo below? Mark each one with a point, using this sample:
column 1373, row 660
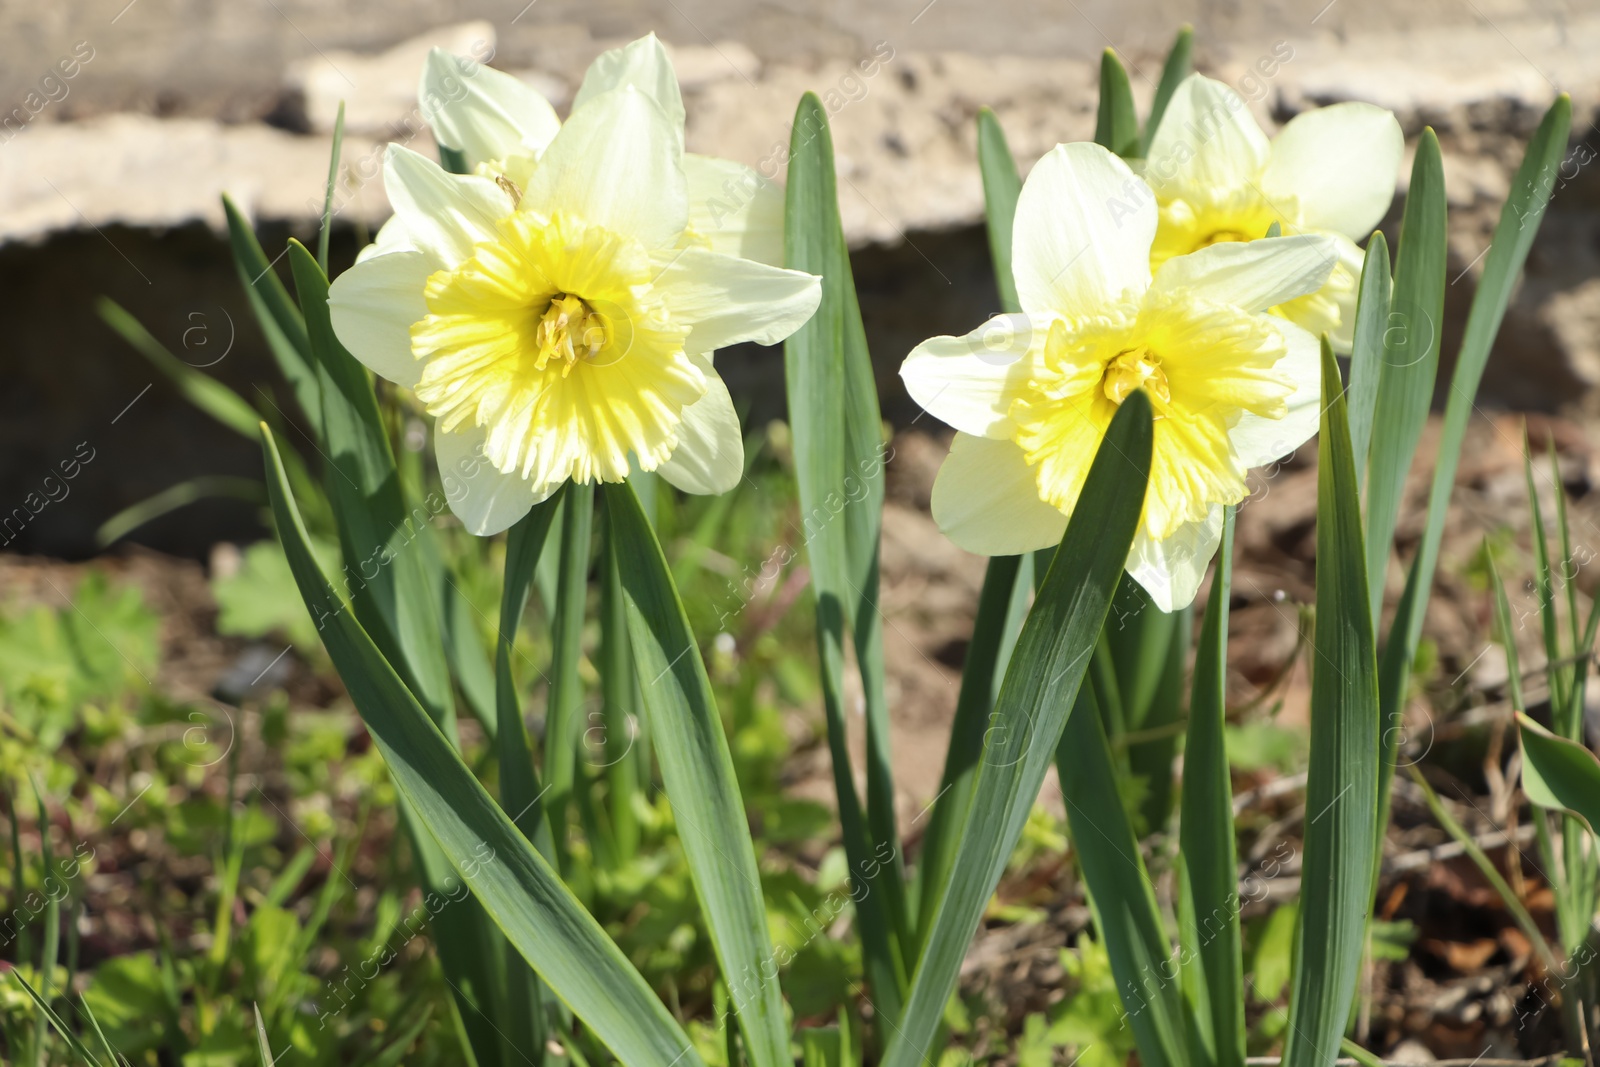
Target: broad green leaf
column 1366, row 352
column 376, row 531
column 697, row 774
column 1173, row 71
column 1041, row 683
column 1146, row 650
column 1410, row 360
column 839, row 457
column 1001, row 187
column 1002, row 604
column 1127, row 919
column 528, row 900
column 1342, row 781
column 1116, row 124
column 280, row 320
column 459, row 619
column 1558, row 774
column 197, row 387
column 1208, row 857
column 620, row 691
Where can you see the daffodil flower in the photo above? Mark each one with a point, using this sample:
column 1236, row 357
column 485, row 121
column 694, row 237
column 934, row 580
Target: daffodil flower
column 1217, row 178
column 557, row 329
column 1031, row 395
column 501, row 125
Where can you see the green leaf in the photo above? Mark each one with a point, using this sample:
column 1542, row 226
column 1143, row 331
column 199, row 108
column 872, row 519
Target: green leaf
column 1041, row 683
column 1558, row 774
column 839, row 458
column 697, row 774
column 1120, row 891
column 376, row 531
column 1147, row 651
column 538, row 914
column 170, row 499
column 1116, row 123
column 1001, row 187
column 1173, row 71
column 275, row 311
column 1002, row 605
column 326, row 229
column 564, row 703
column 1366, row 352
column 1341, row 783
column 1410, row 359
column 1207, row 850
column 197, row 387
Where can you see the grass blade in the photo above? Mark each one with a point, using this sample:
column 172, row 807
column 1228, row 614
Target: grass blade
column 326, row 229
column 1207, row 849
column 1410, row 359
column 1120, row 891
column 1173, row 71
column 1366, row 352
column 1341, row 784
column 1116, row 123
column 697, row 773
column 1001, row 187
column 170, row 499
column 839, row 455
column 1046, row 670
column 538, row 914
column 199, row 389
column 280, row 320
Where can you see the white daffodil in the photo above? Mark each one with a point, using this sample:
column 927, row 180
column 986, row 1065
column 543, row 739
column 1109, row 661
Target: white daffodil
column 501, row 125
column 558, row 328
column 1031, row 395
column 1218, row 179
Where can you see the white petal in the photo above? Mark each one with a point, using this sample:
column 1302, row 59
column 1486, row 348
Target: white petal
column 443, row 214
column 1260, row 441
column 1207, row 141
column 391, row 237
column 709, row 458
column 1082, row 233
column 617, row 164
column 642, row 64
column 986, row 500
column 1341, row 162
column 485, row 500
column 481, row 112
column 726, row 300
column 1171, row 571
column 373, row 305
column 968, row 382
column 1253, row 275
column 735, row 208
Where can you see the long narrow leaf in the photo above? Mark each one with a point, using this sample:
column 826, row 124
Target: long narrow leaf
column 197, row 387
column 280, row 321
column 1410, row 359
column 1207, row 850
column 697, row 772
column 516, row 885
column 1173, row 71
column 1001, row 187
column 1040, row 686
column 838, row 454
column 1341, row 784
column 1366, row 352
column 1120, row 891
column 1116, row 122
column 565, row 699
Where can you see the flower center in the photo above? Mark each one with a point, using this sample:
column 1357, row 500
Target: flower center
column 569, row 330
column 1135, row 368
